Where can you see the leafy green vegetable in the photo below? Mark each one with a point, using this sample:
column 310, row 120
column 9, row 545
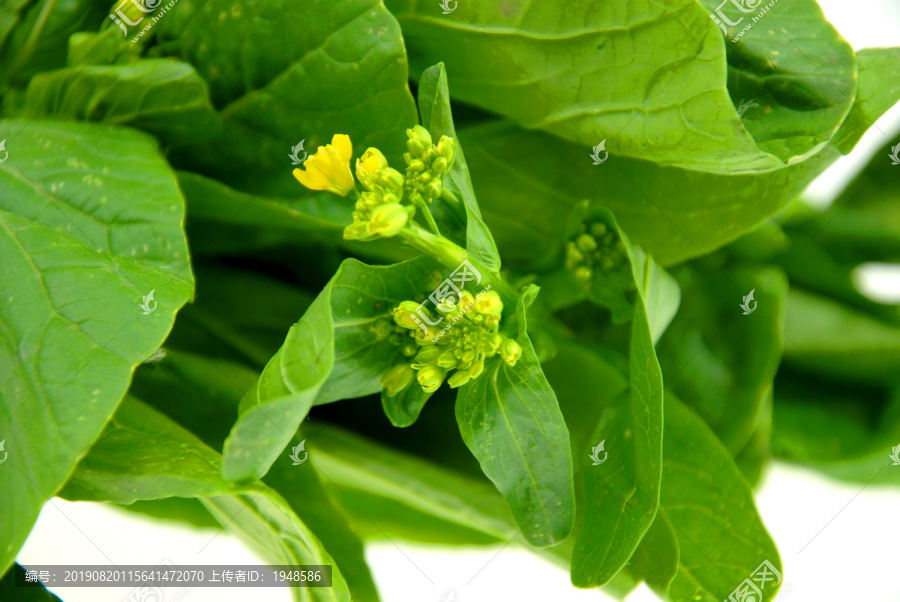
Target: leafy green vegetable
column 82, row 245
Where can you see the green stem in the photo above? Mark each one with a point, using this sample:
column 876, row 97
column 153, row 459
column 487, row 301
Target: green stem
column 423, row 207
column 451, row 255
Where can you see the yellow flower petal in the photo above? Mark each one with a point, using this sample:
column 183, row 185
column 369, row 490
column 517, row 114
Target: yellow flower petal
column 342, row 143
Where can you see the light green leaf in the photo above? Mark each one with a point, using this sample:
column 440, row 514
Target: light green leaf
column 133, row 461
column 343, row 71
column 163, row 97
column 791, row 75
column 90, row 224
column 656, row 559
column 649, row 78
column 511, row 422
column 878, row 91
column 434, row 104
column 710, row 506
column 338, row 350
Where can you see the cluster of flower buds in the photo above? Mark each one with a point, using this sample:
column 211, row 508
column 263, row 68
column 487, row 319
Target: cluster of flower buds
column 596, row 247
column 378, row 211
column 462, row 339
column 427, row 164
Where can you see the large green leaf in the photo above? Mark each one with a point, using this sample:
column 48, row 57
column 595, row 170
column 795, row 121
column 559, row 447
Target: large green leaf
column 510, row 420
column 133, row 461
column 648, row 77
column 621, row 495
column 710, row 507
column 434, row 104
column 338, row 350
column 90, row 223
column 721, row 361
column 303, row 71
column 790, row 74
column 163, row 97
column 529, row 183
column 878, row 90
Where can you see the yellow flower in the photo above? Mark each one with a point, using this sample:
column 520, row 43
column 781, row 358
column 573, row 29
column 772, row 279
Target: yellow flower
column 329, row 168
column 371, row 161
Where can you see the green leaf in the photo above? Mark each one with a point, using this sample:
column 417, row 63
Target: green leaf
column 791, row 72
column 434, row 104
column 710, row 506
column 529, row 183
column 163, row 97
column 510, row 420
column 720, row 360
column 133, row 461
column 90, row 223
column 832, row 339
column 9, row 590
column 656, row 559
column 621, row 495
column 878, row 91
column 336, row 351
column 343, row 71
column 648, row 78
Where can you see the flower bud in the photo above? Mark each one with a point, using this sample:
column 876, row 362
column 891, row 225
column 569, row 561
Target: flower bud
column 416, row 148
column 583, row 273
column 388, row 220
column 418, row 166
column 433, row 190
column 433, row 280
column 586, row 243
column 439, row 166
column 405, row 314
column 397, row 379
column 458, row 379
column 390, row 179
column 409, row 347
column 494, row 340
column 428, row 355
column 430, row 377
column 510, row 351
column 356, row 231
column 598, row 229
column 382, row 329
column 476, row 369
column 371, row 161
column 421, row 134
column 489, row 304
column 446, row 148
column 447, row 360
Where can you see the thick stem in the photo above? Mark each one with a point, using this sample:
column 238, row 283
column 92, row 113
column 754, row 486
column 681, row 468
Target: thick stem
column 451, row 255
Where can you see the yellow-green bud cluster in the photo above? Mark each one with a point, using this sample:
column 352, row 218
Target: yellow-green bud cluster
column 459, row 344
column 596, row 247
column 427, row 164
column 378, row 212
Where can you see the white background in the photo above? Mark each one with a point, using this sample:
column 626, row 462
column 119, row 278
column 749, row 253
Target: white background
column 852, row 532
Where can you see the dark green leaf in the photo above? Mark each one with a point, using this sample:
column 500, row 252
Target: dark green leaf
column 878, row 90
column 34, row 593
